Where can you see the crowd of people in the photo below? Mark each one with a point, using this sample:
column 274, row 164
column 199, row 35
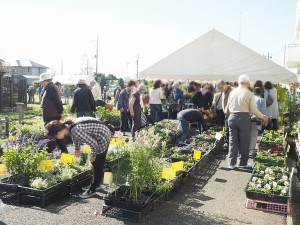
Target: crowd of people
column 236, row 106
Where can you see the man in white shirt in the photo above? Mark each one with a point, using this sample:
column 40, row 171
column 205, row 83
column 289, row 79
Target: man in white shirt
column 241, row 103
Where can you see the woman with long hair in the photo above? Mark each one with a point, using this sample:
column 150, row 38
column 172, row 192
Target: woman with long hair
column 90, row 131
column 272, row 104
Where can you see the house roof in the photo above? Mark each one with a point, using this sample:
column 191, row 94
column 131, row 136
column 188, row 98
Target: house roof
column 27, row 63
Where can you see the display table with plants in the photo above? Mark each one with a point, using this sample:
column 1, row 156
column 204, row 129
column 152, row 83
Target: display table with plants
column 35, row 178
column 269, row 188
column 149, row 170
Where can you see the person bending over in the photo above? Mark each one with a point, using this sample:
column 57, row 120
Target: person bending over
column 92, row 132
column 190, row 116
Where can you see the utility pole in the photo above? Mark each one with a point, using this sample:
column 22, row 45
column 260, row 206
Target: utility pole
column 137, row 66
column 61, row 67
column 97, row 56
column 127, row 69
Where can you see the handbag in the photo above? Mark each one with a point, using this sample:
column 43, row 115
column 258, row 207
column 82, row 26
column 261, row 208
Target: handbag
column 269, row 100
column 143, row 119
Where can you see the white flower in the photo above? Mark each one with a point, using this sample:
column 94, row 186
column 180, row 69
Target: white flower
column 270, row 171
column 286, row 183
column 274, row 184
column 271, row 178
column 259, row 186
column 283, row 191
column 254, row 179
column 268, row 186
column 267, row 170
column 262, row 172
column 284, row 177
column 267, row 176
column 259, row 181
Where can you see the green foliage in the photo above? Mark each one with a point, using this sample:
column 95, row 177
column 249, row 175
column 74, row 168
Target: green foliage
column 67, row 109
column 112, row 117
column 30, row 126
column 121, row 82
column 102, row 81
column 24, row 160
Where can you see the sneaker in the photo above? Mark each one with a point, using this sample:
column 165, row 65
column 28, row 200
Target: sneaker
column 87, row 194
column 87, row 187
column 231, row 167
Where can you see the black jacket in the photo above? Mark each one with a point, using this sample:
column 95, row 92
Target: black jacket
column 50, row 103
column 83, row 100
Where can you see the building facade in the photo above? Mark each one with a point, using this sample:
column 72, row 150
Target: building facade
column 27, row 68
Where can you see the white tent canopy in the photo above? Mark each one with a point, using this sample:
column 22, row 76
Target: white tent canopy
column 72, row 79
column 215, row 56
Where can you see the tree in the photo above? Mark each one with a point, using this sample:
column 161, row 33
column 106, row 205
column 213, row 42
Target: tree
column 98, row 77
column 86, row 65
column 102, row 81
column 121, row 82
column 3, row 67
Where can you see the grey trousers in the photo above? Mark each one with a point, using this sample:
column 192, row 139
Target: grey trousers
column 239, row 138
column 253, row 139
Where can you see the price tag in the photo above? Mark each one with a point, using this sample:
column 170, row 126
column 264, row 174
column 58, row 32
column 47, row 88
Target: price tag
column 177, row 166
column 45, row 165
column 218, row 136
column 3, row 169
column 86, row 148
column 108, row 178
column 288, row 148
column 285, row 135
column 10, row 137
column 151, row 129
column 197, row 154
column 224, row 128
column 168, row 174
column 67, row 158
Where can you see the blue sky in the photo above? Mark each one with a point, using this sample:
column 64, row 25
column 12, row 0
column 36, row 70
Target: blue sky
column 53, row 31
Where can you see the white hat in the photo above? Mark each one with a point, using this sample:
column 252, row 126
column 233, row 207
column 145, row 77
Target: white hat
column 46, row 76
column 244, row 79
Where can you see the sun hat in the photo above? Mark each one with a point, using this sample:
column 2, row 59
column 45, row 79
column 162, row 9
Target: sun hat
column 142, row 88
column 46, row 76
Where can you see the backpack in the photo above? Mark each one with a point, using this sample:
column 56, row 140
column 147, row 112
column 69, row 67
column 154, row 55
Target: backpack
column 269, row 100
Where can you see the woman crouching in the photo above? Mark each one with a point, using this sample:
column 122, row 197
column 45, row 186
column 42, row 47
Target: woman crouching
column 92, row 132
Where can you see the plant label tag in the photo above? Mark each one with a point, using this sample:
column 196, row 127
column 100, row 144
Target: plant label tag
column 10, row 137
column 151, row 129
column 177, row 166
column 218, row 136
column 288, row 148
column 197, row 154
column 86, row 148
column 285, row 136
column 108, row 178
column 168, row 174
column 67, row 158
column 3, row 169
column 45, row 165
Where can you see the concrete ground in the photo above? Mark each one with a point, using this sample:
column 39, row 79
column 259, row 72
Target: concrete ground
column 212, row 195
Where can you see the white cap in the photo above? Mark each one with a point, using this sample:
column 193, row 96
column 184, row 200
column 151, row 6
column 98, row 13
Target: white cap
column 46, row 76
column 244, row 79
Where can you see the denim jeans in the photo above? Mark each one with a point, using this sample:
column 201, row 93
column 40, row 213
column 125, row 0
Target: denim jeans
column 183, row 127
column 156, row 112
column 84, row 114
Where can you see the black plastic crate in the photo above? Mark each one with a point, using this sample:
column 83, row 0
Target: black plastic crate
column 267, row 197
column 76, row 187
column 44, row 193
column 175, row 188
column 7, row 187
column 45, row 200
column 136, row 216
column 81, row 176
